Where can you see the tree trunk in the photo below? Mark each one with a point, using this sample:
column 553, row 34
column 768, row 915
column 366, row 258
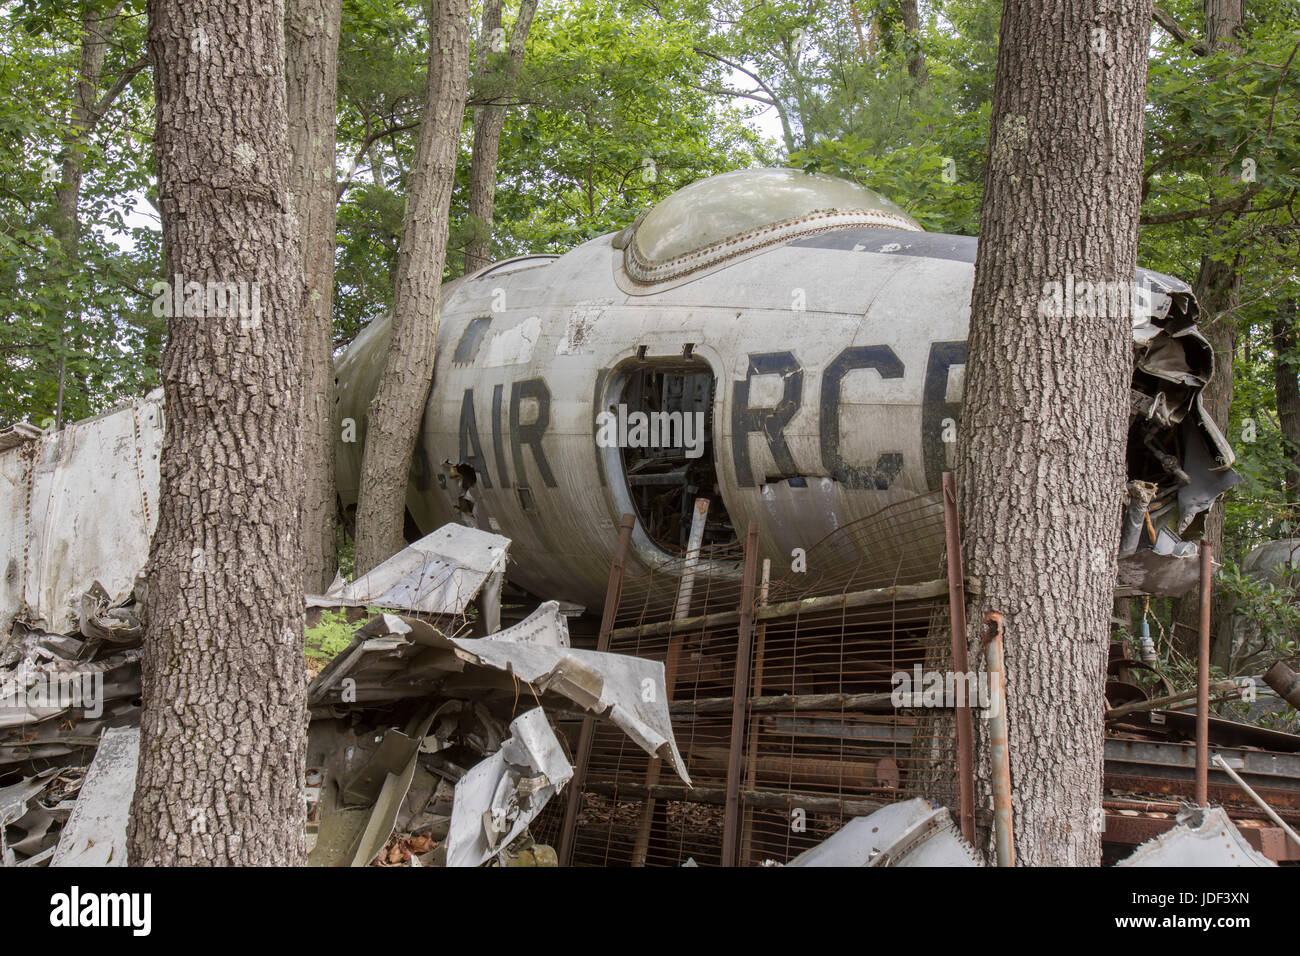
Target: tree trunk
column 916, row 67
column 1286, row 368
column 1046, row 401
column 1224, row 19
column 311, row 33
column 494, row 81
column 223, row 730
column 98, row 28
column 393, row 418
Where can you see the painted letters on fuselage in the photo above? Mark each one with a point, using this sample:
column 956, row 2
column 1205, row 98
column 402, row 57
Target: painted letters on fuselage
column 746, row 420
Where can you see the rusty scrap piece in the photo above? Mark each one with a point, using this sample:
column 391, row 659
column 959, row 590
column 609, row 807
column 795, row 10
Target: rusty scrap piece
column 1259, row 801
column 869, row 703
column 807, row 606
column 744, row 648
column 1219, row 688
column 614, row 593
column 957, row 632
column 1285, row 681
column 999, row 753
column 1203, row 683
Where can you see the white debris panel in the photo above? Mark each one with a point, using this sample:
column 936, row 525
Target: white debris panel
column 95, row 834
column 629, row 690
column 395, row 657
column 441, row 573
column 910, row 833
column 499, row 796
column 1203, row 837
column 77, row 506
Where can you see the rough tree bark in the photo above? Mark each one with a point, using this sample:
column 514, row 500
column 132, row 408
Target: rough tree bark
column 1046, row 401
column 223, row 730
column 496, row 69
column 311, row 33
column 393, row 418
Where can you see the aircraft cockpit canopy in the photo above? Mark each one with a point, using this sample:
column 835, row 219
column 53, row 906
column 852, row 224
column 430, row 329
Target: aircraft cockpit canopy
column 718, row 218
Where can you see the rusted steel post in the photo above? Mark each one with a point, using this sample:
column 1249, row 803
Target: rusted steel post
column 613, row 594
column 740, row 697
column 756, row 690
column 681, row 610
column 957, row 629
column 1203, row 683
column 999, row 753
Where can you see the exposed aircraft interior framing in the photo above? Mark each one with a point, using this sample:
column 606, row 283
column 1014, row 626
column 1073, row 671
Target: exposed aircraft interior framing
column 664, row 479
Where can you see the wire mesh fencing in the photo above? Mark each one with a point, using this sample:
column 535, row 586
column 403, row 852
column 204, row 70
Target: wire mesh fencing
column 826, row 727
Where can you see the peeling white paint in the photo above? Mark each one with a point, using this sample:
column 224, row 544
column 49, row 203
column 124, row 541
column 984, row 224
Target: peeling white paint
column 514, row 346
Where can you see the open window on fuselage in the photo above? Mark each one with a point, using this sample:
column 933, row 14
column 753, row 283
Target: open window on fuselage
column 663, row 423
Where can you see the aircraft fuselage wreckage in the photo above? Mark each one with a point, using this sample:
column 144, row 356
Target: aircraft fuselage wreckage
column 790, row 346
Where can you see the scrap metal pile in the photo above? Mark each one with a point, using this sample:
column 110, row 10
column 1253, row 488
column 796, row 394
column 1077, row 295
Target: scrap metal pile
column 77, row 508
column 440, row 736
column 431, row 747
column 427, row 746
column 1150, row 765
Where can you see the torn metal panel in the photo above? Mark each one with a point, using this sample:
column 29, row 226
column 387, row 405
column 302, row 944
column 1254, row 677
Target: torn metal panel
column 392, row 792
column 45, row 685
column 1178, row 461
column 20, row 810
column 629, row 690
column 18, row 434
column 95, row 834
column 394, row 658
column 1203, row 837
column 1170, row 569
column 51, row 738
column 78, row 506
column 389, row 659
column 1208, row 475
column 14, row 798
column 439, row 574
column 910, row 833
column 499, row 797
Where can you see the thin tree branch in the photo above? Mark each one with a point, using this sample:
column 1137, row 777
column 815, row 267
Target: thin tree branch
column 1175, row 30
column 370, row 140
column 1210, row 211
column 114, row 91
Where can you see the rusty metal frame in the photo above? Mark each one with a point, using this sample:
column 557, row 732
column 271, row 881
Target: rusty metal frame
column 612, row 595
column 740, row 698
column 1203, row 682
column 681, row 611
column 738, row 786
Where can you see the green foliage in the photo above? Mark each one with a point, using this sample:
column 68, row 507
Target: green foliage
column 76, row 310
column 618, row 104
column 331, row 635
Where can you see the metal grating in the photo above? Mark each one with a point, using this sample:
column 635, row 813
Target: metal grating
column 821, row 741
